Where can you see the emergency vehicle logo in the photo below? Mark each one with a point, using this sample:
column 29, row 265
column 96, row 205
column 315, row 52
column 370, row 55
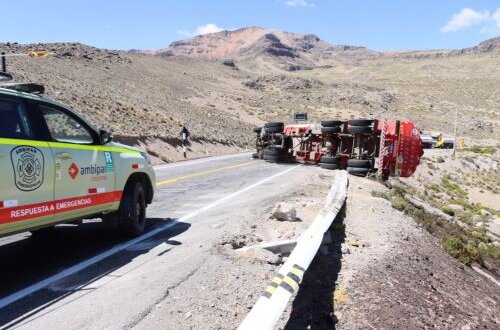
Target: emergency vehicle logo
column 73, row 171
column 28, row 163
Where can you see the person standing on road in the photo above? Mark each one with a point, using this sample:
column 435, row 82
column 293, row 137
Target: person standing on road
column 184, row 137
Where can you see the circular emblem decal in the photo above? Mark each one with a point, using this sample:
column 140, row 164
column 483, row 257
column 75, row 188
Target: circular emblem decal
column 28, row 163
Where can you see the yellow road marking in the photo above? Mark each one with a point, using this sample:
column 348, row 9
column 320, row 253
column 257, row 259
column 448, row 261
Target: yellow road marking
column 194, row 175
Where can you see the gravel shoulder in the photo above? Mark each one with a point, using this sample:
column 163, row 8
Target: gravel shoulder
column 381, row 270
column 227, row 284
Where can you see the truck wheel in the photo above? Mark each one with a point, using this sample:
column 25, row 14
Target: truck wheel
column 330, row 159
column 274, row 124
column 331, row 123
column 273, row 129
column 358, row 171
column 331, row 130
column 272, row 159
column 360, row 129
column 272, row 152
column 361, row 163
column 133, row 209
column 329, row 166
column 257, row 130
column 360, row 122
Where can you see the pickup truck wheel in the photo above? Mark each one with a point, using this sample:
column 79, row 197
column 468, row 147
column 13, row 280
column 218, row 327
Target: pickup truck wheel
column 329, row 166
column 358, row 171
column 133, row 209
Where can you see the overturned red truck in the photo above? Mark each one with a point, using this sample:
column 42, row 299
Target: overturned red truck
column 361, row 146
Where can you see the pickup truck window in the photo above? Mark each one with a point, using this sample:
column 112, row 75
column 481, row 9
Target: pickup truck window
column 64, row 128
column 13, row 123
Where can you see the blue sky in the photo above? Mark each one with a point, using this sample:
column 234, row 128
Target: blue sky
column 148, row 24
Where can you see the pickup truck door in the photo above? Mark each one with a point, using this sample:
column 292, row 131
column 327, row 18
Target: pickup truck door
column 26, row 171
column 85, row 175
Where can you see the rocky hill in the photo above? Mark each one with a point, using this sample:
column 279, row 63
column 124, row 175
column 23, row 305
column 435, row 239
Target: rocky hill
column 257, row 40
column 221, row 85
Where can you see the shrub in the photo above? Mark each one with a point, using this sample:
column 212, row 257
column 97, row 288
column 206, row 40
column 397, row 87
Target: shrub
column 466, row 253
column 399, row 203
column 448, row 210
column 452, row 188
column 381, row 194
column 485, row 150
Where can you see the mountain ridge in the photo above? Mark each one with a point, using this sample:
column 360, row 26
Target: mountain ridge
column 254, row 39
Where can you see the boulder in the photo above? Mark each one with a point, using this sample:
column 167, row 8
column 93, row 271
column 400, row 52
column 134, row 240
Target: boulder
column 284, row 212
column 260, row 254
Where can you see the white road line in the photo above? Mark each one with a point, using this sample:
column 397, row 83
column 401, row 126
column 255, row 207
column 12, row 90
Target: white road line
column 120, row 247
column 198, row 161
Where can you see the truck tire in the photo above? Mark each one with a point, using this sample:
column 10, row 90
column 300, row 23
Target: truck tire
column 328, row 166
column 272, row 159
column 358, row 171
column 360, row 129
column 330, row 159
column 331, row 130
column 331, row 123
column 133, row 209
column 274, row 124
column 360, row 163
column 257, row 130
column 360, row 122
column 272, row 152
column 273, row 129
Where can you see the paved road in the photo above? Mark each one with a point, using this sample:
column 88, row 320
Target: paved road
column 102, row 280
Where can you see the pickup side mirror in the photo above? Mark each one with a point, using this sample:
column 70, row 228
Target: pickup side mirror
column 4, row 76
column 105, row 136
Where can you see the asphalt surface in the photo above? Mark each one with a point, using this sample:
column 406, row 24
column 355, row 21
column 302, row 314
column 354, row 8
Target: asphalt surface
column 90, row 276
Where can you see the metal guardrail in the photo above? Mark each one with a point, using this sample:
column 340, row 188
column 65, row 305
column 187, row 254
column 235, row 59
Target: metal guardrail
column 269, row 307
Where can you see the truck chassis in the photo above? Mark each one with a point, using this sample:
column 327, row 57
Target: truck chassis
column 361, row 146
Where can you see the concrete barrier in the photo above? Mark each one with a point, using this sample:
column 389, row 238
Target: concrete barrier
column 269, row 307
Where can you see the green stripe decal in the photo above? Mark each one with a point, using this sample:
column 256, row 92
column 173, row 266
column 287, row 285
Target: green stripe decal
column 43, row 144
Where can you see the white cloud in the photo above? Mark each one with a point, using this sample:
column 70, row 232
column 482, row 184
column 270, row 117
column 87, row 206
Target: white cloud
column 496, row 17
column 468, row 17
column 299, row 3
column 200, row 30
column 209, row 28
